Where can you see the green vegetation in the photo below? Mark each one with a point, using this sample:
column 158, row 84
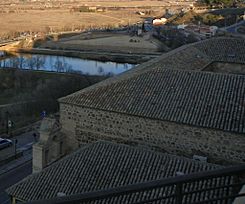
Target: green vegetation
column 186, row 18
column 220, row 17
column 219, row 2
column 31, row 92
column 211, row 19
column 86, row 9
column 229, row 11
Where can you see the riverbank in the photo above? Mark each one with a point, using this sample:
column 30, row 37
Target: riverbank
column 99, row 46
column 92, row 55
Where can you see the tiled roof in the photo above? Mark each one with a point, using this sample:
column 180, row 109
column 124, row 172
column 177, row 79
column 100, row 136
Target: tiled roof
column 194, row 56
column 223, row 49
column 195, row 98
column 186, row 57
column 103, row 165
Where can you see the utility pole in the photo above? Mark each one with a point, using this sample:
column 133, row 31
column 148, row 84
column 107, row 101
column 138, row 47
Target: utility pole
column 10, row 125
column 15, row 148
column 7, row 120
column 237, row 16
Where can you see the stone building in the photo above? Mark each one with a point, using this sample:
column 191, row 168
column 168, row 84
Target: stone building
column 183, row 112
column 175, row 103
column 162, row 105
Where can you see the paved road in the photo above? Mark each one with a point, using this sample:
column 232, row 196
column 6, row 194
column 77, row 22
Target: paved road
column 12, row 177
column 24, row 140
column 8, row 179
column 233, row 28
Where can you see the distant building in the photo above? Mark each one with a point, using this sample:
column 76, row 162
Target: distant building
column 160, row 21
column 208, row 31
column 202, row 30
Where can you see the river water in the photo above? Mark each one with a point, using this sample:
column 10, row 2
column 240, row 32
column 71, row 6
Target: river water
column 64, row 64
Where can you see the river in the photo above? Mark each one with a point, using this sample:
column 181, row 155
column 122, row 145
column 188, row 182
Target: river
column 64, row 64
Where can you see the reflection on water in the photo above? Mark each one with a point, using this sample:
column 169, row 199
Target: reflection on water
column 64, row 64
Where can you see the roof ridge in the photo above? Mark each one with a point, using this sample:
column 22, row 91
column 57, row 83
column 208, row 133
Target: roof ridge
column 91, row 88
column 135, row 71
column 145, row 66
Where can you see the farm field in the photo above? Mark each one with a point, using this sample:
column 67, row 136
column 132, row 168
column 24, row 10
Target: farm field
column 38, row 21
column 64, row 15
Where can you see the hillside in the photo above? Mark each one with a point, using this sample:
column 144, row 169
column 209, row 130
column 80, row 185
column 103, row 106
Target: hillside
column 218, row 18
column 25, row 94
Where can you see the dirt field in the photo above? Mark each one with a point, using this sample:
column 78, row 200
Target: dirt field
column 107, row 42
column 75, row 3
column 59, row 16
column 60, row 20
column 63, row 19
column 121, row 41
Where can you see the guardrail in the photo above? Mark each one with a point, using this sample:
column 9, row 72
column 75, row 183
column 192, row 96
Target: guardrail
column 216, row 186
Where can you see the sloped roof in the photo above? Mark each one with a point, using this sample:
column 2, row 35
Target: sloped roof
column 103, row 165
column 223, row 49
column 163, row 89
column 195, row 98
column 194, row 56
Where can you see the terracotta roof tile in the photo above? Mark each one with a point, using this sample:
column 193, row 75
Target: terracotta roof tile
column 103, row 165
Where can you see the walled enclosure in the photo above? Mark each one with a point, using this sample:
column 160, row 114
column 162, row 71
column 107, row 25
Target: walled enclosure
column 84, row 125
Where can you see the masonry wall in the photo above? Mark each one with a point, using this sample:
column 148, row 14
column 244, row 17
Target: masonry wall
column 38, row 162
column 86, row 125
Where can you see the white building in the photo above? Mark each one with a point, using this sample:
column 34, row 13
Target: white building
column 159, row 21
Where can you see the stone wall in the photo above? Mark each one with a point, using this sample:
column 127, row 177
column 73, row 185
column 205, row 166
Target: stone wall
column 50, row 146
column 38, row 162
column 84, row 125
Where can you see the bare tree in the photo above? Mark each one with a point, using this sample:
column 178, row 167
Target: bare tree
column 39, row 61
